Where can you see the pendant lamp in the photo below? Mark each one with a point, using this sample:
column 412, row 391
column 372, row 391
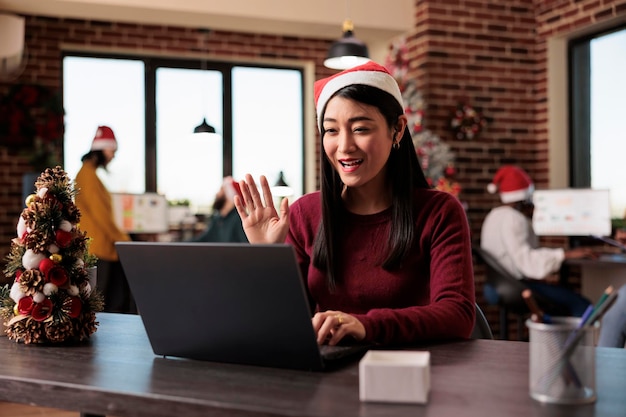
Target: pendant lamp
column 348, row 51
column 281, row 188
column 204, row 127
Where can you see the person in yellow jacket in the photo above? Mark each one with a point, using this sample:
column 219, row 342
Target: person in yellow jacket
column 97, row 220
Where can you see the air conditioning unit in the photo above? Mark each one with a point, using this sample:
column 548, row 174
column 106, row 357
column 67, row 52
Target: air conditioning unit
column 12, row 48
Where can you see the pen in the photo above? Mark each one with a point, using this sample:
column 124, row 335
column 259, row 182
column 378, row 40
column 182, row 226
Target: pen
column 583, row 319
column 604, row 296
column 538, row 316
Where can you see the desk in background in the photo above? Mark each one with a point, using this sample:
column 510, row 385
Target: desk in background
column 117, row 374
column 597, row 274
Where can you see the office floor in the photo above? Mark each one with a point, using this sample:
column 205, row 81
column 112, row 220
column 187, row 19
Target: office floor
column 20, row 410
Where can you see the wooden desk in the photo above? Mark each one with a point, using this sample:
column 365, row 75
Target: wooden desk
column 117, row 374
column 597, row 274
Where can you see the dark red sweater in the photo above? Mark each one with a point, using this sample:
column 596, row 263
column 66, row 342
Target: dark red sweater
column 430, row 297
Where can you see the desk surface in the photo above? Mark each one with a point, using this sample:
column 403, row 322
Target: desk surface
column 117, row 374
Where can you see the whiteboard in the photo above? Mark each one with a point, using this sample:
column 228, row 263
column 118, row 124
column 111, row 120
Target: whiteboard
column 140, row 213
column 572, row 212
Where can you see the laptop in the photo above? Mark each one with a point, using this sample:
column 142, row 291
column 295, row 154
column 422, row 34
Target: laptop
column 226, row 302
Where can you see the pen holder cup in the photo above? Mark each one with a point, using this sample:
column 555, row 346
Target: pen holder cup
column 562, row 361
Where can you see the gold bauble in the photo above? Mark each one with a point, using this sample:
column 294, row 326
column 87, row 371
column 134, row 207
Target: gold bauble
column 56, row 258
column 15, row 310
column 30, row 199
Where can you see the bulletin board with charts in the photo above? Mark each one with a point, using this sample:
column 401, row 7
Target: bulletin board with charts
column 572, row 212
column 140, row 213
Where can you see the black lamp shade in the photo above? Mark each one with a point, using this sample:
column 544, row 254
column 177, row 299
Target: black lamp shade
column 281, row 188
column 204, row 127
column 347, row 52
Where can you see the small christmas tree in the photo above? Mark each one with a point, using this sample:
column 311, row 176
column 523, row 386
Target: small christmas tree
column 51, row 299
column 435, row 156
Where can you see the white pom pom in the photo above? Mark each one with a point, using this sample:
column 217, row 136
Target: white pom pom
column 38, row 297
column 53, row 248
column 73, row 290
column 16, row 293
column 21, row 227
column 42, row 192
column 492, row 188
column 50, row 289
column 65, row 226
column 31, row 260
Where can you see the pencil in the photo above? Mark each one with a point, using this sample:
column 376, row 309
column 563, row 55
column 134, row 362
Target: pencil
column 537, row 315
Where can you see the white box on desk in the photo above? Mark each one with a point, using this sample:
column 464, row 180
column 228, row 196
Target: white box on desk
column 395, row 376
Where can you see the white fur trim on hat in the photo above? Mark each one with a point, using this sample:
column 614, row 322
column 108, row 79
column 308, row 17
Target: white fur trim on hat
column 104, row 139
column 229, row 188
column 519, row 195
column 371, row 74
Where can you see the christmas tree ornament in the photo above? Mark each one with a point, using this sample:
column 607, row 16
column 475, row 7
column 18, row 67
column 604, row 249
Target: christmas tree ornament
column 51, row 299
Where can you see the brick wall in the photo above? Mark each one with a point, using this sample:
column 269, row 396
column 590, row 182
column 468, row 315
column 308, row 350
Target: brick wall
column 487, row 52
column 44, row 40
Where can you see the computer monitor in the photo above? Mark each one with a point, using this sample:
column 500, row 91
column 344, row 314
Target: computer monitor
column 572, row 212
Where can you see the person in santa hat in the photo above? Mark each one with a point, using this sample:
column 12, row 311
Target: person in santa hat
column 508, row 235
column 387, row 260
column 224, row 224
column 98, row 221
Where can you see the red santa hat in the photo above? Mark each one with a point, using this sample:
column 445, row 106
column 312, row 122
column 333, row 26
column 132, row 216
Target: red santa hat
column 370, row 73
column 104, row 139
column 513, row 184
column 231, row 188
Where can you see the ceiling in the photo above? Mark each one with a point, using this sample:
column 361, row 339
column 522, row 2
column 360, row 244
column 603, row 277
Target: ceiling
column 376, row 22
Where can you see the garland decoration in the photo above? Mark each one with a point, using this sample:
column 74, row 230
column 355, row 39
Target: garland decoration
column 51, row 299
column 466, row 122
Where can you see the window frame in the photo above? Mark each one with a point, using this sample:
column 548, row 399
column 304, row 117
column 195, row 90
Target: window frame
column 152, row 63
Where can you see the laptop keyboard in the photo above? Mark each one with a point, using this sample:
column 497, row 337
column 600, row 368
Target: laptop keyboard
column 340, row 351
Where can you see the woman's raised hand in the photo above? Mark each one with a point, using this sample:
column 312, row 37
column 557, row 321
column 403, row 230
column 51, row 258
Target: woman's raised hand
column 259, row 218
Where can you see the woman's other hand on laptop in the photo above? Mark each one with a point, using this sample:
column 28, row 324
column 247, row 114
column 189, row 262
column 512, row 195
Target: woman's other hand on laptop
column 332, row 326
column 259, row 218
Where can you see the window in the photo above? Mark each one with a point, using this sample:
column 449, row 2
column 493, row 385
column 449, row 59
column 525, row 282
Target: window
column 106, row 92
column 597, row 91
column 154, row 104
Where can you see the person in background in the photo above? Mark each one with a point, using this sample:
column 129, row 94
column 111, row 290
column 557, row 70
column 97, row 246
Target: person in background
column 507, row 233
column 97, row 220
column 613, row 326
column 224, row 224
column 386, row 259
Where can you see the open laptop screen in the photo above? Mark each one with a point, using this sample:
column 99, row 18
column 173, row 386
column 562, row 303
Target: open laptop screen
column 572, row 212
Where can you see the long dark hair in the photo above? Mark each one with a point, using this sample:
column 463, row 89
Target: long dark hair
column 403, row 172
column 97, row 156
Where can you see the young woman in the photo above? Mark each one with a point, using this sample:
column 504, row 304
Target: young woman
column 97, row 219
column 386, row 259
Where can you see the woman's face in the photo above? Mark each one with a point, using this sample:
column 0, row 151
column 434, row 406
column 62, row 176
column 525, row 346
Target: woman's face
column 109, row 154
column 357, row 140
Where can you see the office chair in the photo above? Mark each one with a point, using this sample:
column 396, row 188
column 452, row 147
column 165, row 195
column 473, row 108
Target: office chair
column 482, row 330
column 503, row 289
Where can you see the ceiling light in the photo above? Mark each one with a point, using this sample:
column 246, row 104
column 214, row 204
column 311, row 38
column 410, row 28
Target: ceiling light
column 348, row 51
column 281, row 188
column 204, row 128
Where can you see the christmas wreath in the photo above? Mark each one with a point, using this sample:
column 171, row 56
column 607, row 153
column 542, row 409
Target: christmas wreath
column 466, row 122
column 31, row 120
column 51, row 299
